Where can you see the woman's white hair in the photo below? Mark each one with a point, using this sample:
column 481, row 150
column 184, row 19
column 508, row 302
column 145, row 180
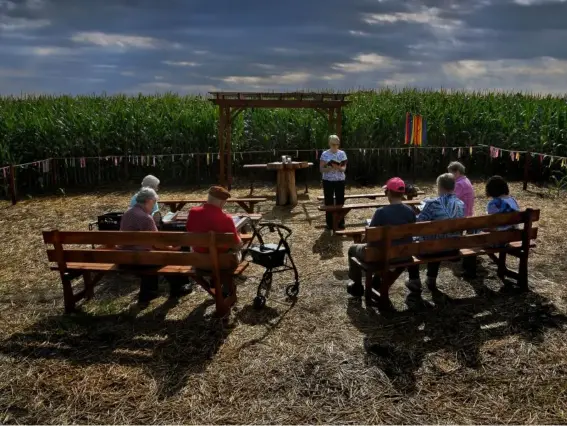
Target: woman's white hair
column 146, row 194
column 334, row 138
column 150, row 181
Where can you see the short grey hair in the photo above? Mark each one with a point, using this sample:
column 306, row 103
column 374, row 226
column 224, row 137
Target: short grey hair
column 150, row 181
column 334, row 138
column 214, row 201
column 455, row 166
column 446, row 181
column 146, row 194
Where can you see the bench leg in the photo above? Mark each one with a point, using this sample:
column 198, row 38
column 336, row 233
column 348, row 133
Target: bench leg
column 337, row 217
column 502, row 265
column 523, row 272
column 385, row 284
column 248, row 208
column 368, row 289
column 223, row 304
column 89, row 285
column 68, row 297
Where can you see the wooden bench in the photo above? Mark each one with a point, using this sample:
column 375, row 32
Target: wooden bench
column 357, row 234
column 92, row 263
column 368, row 196
column 247, row 204
column 339, row 212
column 383, row 259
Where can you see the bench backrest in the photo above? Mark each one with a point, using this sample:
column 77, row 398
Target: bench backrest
column 61, row 254
column 384, row 251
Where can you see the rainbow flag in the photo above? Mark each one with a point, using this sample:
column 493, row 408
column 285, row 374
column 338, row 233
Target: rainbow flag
column 416, row 130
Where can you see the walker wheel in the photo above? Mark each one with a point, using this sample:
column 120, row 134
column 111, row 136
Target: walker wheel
column 259, row 302
column 292, row 290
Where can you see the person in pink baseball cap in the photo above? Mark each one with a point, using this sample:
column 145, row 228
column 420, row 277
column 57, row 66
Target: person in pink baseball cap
column 396, row 213
column 396, row 186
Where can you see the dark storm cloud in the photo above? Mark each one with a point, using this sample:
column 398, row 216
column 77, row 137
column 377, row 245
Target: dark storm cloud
column 79, row 46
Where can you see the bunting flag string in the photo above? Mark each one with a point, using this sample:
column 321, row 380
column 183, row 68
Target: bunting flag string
column 48, row 166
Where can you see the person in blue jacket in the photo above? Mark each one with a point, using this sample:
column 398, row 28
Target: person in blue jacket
column 152, row 182
column 501, row 200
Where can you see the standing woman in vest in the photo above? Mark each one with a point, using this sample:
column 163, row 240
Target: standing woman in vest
column 333, row 166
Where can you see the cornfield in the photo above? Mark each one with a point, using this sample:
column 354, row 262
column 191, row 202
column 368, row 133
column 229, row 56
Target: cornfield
column 34, row 128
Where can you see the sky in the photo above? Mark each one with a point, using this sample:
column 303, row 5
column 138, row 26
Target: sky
column 196, row 46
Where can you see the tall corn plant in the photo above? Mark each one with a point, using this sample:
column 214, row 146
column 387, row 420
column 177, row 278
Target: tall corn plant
column 34, row 128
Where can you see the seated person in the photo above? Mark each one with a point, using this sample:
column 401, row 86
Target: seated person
column 138, row 218
column 396, row 213
column 501, row 201
column 211, row 217
column 152, row 182
column 445, row 206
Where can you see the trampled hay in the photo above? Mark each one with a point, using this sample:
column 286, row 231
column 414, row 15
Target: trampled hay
column 478, row 355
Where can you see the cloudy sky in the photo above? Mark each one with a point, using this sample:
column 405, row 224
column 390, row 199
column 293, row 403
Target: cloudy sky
column 194, row 46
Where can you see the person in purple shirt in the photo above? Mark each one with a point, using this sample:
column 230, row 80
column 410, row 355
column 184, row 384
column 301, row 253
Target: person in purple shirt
column 138, row 218
column 464, row 192
column 463, row 187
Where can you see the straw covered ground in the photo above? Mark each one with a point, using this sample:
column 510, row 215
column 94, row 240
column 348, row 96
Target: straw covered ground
column 480, row 355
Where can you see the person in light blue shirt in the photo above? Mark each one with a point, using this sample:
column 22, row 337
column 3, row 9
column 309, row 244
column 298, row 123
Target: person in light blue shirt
column 332, row 165
column 501, row 201
column 445, row 206
column 152, row 182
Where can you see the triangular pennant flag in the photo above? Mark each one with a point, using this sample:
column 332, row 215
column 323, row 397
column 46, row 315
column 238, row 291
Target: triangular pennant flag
column 115, row 161
column 459, row 153
column 154, row 161
column 470, row 150
column 208, row 158
column 443, row 151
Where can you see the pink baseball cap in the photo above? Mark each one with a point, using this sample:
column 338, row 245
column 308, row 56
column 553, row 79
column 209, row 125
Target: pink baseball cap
column 395, row 184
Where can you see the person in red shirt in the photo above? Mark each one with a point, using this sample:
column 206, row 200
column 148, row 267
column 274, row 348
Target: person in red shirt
column 211, row 217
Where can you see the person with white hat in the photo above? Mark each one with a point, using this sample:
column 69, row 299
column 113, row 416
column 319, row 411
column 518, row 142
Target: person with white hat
column 152, row 182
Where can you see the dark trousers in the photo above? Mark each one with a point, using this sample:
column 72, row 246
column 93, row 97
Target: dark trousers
column 334, row 193
column 149, row 284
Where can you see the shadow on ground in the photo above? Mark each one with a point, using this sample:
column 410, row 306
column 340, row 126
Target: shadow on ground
column 168, row 350
column 399, row 342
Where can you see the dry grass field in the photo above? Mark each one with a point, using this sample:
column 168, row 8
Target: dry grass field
column 481, row 354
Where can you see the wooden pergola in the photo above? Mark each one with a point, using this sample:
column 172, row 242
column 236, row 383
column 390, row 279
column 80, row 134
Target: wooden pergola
column 233, row 103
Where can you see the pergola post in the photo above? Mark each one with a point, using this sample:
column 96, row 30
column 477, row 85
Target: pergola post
column 228, row 145
column 222, row 132
column 339, row 123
